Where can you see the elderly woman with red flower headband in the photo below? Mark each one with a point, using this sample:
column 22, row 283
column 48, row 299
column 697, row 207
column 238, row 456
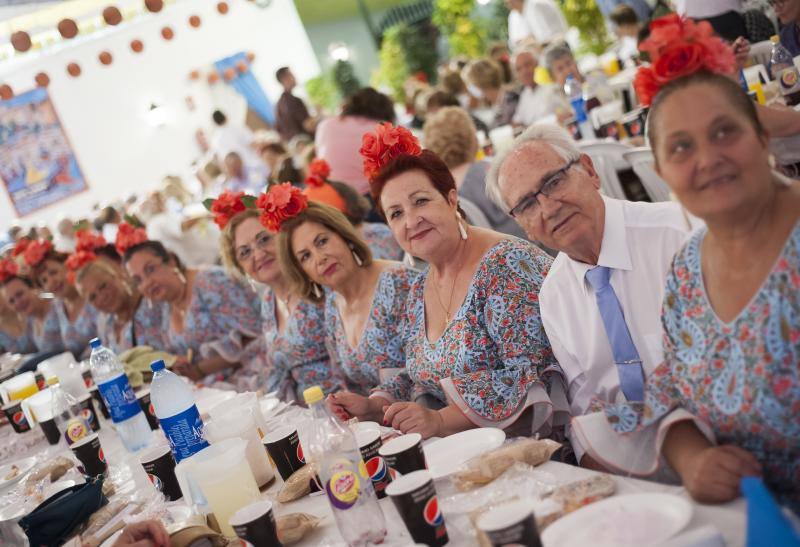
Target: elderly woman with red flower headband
column 294, row 329
column 724, row 403
column 77, row 320
column 210, row 319
column 354, row 206
column 473, row 337
column 124, row 320
column 14, row 333
column 364, row 306
column 22, row 296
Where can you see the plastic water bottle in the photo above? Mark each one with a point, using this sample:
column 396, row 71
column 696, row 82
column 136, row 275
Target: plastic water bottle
column 344, row 476
column 67, row 415
column 177, row 414
column 574, row 92
column 781, row 66
column 126, row 413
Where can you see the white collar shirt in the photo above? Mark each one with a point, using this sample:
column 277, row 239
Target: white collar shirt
column 639, row 242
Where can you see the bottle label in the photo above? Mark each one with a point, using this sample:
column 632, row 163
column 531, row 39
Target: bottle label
column 343, row 489
column 184, row 432
column 75, row 430
column 119, row 398
column 790, row 81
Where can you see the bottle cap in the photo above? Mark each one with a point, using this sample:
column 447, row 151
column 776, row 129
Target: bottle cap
column 95, row 343
column 313, row 395
column 774, row 38
column 155, row 366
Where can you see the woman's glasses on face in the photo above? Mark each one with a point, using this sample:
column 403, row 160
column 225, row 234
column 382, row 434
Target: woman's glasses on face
column 261, row 241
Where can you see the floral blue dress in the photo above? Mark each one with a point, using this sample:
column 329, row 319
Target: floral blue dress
column 46, row 335
column 143, row 330
column 222, row 319
column 297, row 357
column 379, row 355
column 739, row 380
column 17, row 344
column 381, row 242
column 493, row 360
column 76, row 334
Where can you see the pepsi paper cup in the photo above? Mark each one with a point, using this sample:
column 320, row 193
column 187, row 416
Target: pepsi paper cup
column 404, row 454
column 147, row 407
column 255, row 525
column 159, row 464
column 283, row 446
column 369, row 443
column 90, row 455
column 16, row 417
column 88, row 413
column 511, row 524
column 415, row 499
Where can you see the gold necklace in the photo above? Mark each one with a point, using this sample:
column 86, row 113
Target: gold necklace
column 446, row 310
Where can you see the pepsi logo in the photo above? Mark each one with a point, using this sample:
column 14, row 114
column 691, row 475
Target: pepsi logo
column 101, row 455
column 19, row 418
column 151, row 410
column 300, row 453
column 377, row 469
column 245, row 543
column 87, row 415
column 156, row 482
column 431, row 513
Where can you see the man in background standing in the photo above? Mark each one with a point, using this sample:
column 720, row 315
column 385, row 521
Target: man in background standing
column 229, row 138
column 291, row 114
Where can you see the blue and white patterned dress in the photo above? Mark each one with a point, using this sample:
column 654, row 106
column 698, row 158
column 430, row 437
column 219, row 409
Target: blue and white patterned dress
column 76, row 334
column 739, row 380
column 381, row 242
column 46, row 335
column 379, row 355
column 144, row 330
column 493, row 360
column 297, row 357
column 17, row 344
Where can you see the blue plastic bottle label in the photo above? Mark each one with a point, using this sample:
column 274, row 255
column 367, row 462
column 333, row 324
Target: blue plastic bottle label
column 184, row 432
column 119, row 398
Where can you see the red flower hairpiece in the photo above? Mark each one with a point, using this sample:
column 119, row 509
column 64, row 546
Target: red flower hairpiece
column 85, row 240
column 128, row 236
column 35, row 251
column 76, row 261
column 318, row 173
column 227, row 205
column 679, row 47
column 8, row 269
column 280, row 203
column 386, row 144
column 20, row 247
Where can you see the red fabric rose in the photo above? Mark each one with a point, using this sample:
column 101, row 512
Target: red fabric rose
column 36, row 251
column 86, row 240
column 386, row 144
column 76, row 261
column 20, row 247
column 226, row 206
column 318, row 173
column 679, row 47
column 8, row 269
column 128, row 236
column 280, row 203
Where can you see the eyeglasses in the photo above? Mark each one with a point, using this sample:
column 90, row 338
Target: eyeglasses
column 550, row 187
column 245, row 252
column 774, row 3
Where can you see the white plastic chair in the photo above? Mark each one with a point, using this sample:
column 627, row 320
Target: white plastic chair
column 475, row 216
column 760, row 53
column 607, row 157
column 642, row 161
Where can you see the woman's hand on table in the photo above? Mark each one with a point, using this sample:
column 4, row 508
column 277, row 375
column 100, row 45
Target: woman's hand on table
column 345, row 405
column 147, row 533
column 413, row 418
column 714, row 474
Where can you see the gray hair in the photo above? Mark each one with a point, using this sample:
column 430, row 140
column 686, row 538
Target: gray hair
column 523, row 51
column 553, row 135
column 554, row 52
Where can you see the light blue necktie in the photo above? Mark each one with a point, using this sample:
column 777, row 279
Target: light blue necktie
column 629, row 365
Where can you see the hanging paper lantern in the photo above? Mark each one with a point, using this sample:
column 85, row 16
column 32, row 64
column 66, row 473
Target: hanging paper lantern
column 112, row 15
column 68, row 28
column 167, row 33
column 213, row 78
column 229, row 74
column 74, row 70
column 137, row 46
column 42, row 79
column 194, row 75
column 105, row 58
column 6, row 92
column 154, row 6
column 194, row 21
column 21, row 41
column 242, row 67
column 250, row 56
column 222, row 7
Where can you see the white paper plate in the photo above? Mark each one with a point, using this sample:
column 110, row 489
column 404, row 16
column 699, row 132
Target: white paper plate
column 446, row 455
column 23, row 465
column 629, row 520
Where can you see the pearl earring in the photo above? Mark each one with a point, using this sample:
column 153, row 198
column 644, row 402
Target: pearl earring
column 409, row 260
column 180, row 275
column 461, row 229
column 357, row 258
column 316, row 289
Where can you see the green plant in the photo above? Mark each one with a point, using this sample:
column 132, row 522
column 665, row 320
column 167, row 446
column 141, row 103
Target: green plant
column 406, row 50
column 465, row 34
column 345, row 79
column 586, row 17
column 322, row 91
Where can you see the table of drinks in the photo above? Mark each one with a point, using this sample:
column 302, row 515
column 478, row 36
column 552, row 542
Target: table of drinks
column 211, row 463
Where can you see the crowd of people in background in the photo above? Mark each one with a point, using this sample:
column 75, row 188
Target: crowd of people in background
column 432, row 283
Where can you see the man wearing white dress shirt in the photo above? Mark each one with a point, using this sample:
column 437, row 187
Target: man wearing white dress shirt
column 540, row 19
column 601, row 300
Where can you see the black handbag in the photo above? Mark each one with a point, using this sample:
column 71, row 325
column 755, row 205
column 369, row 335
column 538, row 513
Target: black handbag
column 53, row 522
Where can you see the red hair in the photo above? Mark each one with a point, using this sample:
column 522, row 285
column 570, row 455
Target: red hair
column 428, row 162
